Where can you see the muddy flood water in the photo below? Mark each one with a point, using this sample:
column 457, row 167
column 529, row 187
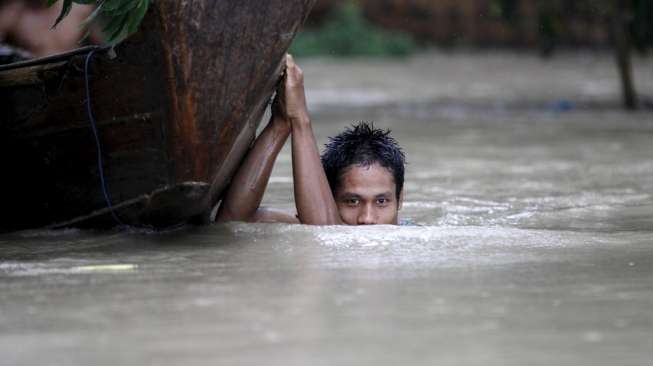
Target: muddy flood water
column 533, row 198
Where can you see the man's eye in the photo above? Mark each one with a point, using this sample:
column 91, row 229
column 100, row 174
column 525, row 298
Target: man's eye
column 382, row 201
column 352, row 201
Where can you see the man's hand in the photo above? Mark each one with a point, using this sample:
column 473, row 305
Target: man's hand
column 294, row 98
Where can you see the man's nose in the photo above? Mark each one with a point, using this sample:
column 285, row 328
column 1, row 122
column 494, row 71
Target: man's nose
column 367, row 216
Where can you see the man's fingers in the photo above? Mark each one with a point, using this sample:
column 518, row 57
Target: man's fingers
column 291, row 66
column 294, row 75
column 290, row 61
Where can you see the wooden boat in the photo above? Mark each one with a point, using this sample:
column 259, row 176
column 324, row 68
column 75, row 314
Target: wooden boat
column 176, row 110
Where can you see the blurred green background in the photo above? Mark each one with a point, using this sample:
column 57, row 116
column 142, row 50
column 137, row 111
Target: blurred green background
column 401, row 27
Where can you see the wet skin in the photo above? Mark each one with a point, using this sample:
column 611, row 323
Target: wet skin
column 313, row 198
column 367, row 196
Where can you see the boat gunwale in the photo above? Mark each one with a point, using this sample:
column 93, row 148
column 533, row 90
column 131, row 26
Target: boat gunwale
column 64, row 56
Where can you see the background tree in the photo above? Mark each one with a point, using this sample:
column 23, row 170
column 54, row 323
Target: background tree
column 630, row 23
column 622, row 31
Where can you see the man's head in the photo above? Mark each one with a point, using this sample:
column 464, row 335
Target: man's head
column 365, row 169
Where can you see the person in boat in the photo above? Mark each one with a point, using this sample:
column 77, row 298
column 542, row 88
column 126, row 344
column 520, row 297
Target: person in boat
column 27, row 25
column 358, row 180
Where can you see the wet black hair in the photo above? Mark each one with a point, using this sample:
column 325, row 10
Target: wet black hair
column 364, row 145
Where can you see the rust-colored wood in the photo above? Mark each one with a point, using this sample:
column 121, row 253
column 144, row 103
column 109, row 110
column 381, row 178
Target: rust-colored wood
column 176, row 110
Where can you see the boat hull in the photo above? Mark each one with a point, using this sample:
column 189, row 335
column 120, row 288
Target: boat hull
column 176, row 110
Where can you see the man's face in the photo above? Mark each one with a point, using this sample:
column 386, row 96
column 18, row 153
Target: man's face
column 366, row 196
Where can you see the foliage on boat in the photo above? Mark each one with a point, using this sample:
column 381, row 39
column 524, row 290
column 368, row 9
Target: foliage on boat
column 122, row 16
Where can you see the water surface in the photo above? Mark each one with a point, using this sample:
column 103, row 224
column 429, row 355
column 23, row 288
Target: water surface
column 534, row 245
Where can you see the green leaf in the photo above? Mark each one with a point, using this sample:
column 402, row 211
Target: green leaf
column 124, row 16
column 93, row 15
column 137, row 16
column 115, row 28
column 125, row 8
column 67, row 5
column 116, row 5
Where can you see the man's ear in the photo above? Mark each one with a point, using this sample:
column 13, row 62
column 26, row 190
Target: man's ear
column 401, row 199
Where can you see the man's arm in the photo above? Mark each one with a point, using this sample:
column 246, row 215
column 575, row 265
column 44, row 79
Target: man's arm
column 313, row 197
column 242, row 200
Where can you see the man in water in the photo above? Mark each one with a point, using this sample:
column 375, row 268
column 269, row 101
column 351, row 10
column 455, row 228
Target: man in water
column 357, row 181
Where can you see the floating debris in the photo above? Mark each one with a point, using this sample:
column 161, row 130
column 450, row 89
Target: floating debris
column 106, row 268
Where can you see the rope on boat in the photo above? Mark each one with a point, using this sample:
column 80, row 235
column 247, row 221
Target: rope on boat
column 91, row 118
